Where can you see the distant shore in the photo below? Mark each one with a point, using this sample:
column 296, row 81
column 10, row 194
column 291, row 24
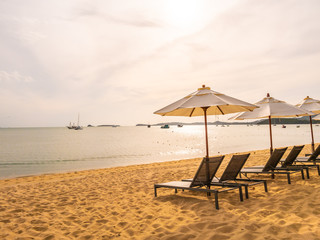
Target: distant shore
column 274, row 121
column 119, row 203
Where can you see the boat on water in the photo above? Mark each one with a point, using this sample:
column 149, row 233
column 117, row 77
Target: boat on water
column 75, row 127
column 71, row 126
column 78, row 128
column 180, row 125
column 165, row 126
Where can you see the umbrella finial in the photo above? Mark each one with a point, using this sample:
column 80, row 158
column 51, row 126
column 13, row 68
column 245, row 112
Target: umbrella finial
column 203, row 87
column 307, row 98
column 268, row 95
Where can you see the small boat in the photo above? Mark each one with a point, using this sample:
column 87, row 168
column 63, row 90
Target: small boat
column 75, row 127
column 180, row 125
column 165, row 126
column 71, row 126
column 284, row 126
column 78, row 128
column 298, row 126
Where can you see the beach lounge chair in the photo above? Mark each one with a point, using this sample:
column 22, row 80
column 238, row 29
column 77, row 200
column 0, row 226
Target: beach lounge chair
column 314, row 157
column 287, row 163
column 271, row 166
column 201, row 181
column 229, row 176
column 231, row 172
column 291, row 158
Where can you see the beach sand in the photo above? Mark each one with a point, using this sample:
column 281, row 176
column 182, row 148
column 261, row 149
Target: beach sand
column 119, row 203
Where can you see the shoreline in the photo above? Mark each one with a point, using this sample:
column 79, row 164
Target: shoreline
column 118, row 203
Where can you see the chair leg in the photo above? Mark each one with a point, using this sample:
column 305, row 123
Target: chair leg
column 175, row 190
column 246, row 191
column 155, row 191
column 265, row 186
column 307, row 171
column 240, row 193
column 216, row 200
column 302, row 174
column 288, row 176
column 318, row 170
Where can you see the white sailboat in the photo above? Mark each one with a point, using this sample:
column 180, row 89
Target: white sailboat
column 75, row 127
column 78, row 127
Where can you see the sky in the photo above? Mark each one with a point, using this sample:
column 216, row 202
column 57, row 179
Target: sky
column 118, row 61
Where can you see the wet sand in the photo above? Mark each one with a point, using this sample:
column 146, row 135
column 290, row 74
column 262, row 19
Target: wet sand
column 119, row 203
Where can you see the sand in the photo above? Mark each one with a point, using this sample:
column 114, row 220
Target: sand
column 119, row 203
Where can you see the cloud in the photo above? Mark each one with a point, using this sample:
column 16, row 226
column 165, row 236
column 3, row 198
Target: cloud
column 134, row 18
column 16, row 77
column 114, row 59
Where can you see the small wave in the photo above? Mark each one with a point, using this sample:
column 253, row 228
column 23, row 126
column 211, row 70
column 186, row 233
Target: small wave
column 44, row 162
column 39, row 162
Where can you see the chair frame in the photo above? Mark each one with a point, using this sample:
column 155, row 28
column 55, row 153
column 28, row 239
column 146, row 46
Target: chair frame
column 202, row 186
column 291, row 161
column 312, row 158
column 229, row 176
column 271, row 167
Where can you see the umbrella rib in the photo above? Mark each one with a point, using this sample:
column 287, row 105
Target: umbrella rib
column 192, row 112
column 220, row 110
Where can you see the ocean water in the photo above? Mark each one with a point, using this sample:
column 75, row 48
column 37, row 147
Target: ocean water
column 33, row 151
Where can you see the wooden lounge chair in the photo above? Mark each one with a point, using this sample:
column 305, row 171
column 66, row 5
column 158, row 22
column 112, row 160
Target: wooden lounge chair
column 229, row 176
column 271, row 166
column 201, row 181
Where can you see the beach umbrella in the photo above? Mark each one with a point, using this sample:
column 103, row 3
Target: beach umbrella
column 205, row 102
column 317, row 117
column 270, row 107
column 311, row 105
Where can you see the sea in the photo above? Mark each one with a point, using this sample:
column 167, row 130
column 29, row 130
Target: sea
column 34, row 151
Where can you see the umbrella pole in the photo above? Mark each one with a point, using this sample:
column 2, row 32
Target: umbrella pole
column 271, row 147
column 207, row 146
column 312, row 140
column 206, row 129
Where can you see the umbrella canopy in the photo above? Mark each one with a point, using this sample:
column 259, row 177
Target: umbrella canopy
column 317, row 117
column 312, row 105
column 216, row 104
column 205, row 102
column 270, row 107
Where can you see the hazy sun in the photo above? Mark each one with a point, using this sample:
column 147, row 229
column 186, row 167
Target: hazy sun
column 186, row 15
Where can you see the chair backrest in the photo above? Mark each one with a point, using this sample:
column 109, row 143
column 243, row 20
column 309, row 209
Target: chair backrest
column 295, row 151
column 206, row 171
column 234, row 167
column 315, row 154
column 274, row 159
